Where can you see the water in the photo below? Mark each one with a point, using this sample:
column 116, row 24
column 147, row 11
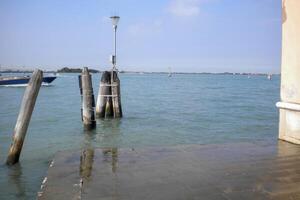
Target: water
column 158, row 111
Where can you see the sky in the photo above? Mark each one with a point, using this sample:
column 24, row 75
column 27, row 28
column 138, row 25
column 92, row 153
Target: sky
column 184, row 35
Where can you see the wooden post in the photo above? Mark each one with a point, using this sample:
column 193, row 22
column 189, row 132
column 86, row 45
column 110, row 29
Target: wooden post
column 104, row 102
column 108, row 108
column 87, row 98
column 116, row 95
column 24, row 116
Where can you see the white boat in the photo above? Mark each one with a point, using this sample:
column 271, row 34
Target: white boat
column 270, row 76
column 170, row 72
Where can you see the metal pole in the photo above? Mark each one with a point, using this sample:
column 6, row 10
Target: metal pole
column 115, row 43
column 115, row 54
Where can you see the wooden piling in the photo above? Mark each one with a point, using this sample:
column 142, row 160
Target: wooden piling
column 24, row 117
column 108, row 108
column 109, row 96
column 116, row 95
column 104, row 102
column 87, row 99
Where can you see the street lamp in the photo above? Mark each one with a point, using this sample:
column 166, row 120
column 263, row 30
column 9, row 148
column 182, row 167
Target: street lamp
column 115, row 20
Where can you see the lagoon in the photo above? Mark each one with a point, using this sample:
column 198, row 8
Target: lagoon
column 201, row 109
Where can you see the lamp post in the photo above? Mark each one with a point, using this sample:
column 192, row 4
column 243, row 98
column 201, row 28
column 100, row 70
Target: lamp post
column 115, row 20
column 109, row 95
column 115, row 82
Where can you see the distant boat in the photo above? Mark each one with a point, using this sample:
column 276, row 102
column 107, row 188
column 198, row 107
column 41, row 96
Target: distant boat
column 270, row 76
column 22, row 80
column 170, row 72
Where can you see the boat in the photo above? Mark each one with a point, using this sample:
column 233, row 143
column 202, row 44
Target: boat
column 269, row 76
column 170, row 72
column 22, row 80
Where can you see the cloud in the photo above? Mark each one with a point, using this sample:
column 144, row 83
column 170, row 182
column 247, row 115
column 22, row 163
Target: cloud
column 145, row 28
column 185, row 8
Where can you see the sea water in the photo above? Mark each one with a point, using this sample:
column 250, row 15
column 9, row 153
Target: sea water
column 158, row 111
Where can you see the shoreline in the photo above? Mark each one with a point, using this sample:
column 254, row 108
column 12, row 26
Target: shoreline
column 141, row 72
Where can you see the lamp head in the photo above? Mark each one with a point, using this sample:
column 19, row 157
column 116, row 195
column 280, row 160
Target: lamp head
column 115, row 20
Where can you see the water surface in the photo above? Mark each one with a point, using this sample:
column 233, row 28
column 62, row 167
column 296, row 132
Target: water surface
column 158, row 111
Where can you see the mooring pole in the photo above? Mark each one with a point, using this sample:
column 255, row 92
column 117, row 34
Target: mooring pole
column 87, row 98
column 104, row 102
column 116, row 95
column 24, row 117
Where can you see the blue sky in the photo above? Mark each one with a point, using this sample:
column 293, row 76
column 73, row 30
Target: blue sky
column 186, row 35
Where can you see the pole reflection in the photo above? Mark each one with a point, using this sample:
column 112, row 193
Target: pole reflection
column 93, row 161
column 15, row 175
column 87, row 155
column 111, row 155
column 86, row 162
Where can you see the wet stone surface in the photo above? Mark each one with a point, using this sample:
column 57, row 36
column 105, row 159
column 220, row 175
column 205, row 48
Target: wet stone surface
column 235, row 171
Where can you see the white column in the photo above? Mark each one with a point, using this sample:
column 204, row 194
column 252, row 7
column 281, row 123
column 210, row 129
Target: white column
column 289, row 125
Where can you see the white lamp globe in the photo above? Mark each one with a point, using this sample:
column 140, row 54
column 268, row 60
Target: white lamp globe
column 115, row 20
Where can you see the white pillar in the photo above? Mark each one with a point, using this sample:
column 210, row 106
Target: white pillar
column 289, row 125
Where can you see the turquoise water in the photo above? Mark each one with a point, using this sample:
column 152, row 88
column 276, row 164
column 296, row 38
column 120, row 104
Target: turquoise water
column 158, row 111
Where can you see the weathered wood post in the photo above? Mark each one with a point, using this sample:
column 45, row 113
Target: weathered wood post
column 87, row 99
column 24, row 117
column 104, row 103
column 108, row 108
column 116, row 95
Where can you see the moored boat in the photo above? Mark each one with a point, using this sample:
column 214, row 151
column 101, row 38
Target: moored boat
column 22, row 80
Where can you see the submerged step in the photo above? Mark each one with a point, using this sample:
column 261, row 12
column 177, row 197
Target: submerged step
column 183, row 172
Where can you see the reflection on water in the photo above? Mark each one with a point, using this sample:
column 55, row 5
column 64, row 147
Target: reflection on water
column 108, row 133
column 111, row 155
column 15, row 179
column 253, row 171
column 280, row 174
column 286, row 149
column 87, row 154
column 285, row 173
column 109, row 124
column 86, row 162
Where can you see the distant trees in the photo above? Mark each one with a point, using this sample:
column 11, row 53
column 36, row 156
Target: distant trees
column 75, row 70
